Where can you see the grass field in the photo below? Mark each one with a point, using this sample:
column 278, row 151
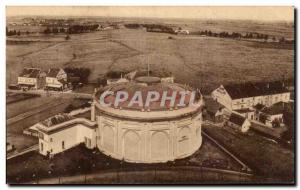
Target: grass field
column 203, row 62
column 265, row 157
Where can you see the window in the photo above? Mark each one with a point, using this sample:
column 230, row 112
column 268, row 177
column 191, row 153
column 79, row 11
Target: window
column 42, row 147
column 89, row 143
column 51, row 140
column 41, row 136
column 85, row 141
column 63, row 144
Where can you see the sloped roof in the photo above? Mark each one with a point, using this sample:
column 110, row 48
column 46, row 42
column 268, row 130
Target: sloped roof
column 30, row 73
column 53, row 72
column 244, row 90
column 57, row 119
column 237, row 119
column 277, row 108
column 212, row 105
column 244, row 110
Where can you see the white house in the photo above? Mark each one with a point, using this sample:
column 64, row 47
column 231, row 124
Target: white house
column 31, row 78
column 56, row 79
column 61, row 132
column 239, row 122
column 186, row 32
column 247, row 95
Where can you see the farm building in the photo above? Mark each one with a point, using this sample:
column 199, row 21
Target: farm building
column 247, row 95
column 214, row 111
column 273, row 116
column 137, row 134
column 239, row 122
column 31, row 78
column 247, row 113
column 56, row 79
column 186, row 32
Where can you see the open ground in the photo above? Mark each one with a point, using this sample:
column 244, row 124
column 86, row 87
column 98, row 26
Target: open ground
column 203, row 62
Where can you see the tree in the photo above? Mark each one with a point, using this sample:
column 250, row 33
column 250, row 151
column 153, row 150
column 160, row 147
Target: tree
column 47, row 31
column 282, row 40
column 67, row 37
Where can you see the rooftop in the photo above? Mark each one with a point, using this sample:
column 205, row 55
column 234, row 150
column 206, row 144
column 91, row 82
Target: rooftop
column 30, row 72
column 57, row 119
column 245, row 110
column 237, row 119
column 152, row 84
column 53, row 72
column 278, row 108
column 244, row 90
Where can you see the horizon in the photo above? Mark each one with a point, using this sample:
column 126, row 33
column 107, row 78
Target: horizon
column 265, row 14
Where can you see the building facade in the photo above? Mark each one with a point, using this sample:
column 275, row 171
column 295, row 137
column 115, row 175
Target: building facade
column 56, row 79
column 239, row 122
column 31, row 78
column 66, row 133
column 247, row 95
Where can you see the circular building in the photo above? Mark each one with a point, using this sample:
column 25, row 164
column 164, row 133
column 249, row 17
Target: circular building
column 147, row 133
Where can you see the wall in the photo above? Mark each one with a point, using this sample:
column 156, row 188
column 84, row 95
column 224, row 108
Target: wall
column 71, row 136
column 28, row 81
column 149, row 142
column 221, row 96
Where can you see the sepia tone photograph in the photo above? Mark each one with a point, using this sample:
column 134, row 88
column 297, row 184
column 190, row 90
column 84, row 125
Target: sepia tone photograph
column 150, row 95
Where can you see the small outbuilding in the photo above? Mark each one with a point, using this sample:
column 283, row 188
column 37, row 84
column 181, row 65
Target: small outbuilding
column 239, row 122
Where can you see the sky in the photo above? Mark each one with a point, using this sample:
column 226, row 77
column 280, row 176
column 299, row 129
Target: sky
column 262, row 13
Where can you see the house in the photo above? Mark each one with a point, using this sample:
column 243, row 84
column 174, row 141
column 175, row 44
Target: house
column 61, row 132
column 247, row 113
column 273, row 116
column 31, row 78
column 56, row 79
column 239, row 122
column 186, row 32
column 247, row 95
column 214, row 111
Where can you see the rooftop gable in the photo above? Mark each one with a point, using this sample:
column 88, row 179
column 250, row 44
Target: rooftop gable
column 245, row 90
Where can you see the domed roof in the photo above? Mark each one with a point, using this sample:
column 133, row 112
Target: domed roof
column 148, row 80
column 145, row 85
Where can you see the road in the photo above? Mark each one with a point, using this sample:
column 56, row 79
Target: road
column 30, row 115
column 24, row 151
column 69, row 94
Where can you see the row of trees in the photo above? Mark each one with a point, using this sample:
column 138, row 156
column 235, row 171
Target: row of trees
column 73, row 29
column 81, row 73
column 14, row 32
column 151, row 27
column 237, row 35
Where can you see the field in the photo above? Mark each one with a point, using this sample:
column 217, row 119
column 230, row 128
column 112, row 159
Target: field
column 43, row 107
column 203, row 62
column 263, row 156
